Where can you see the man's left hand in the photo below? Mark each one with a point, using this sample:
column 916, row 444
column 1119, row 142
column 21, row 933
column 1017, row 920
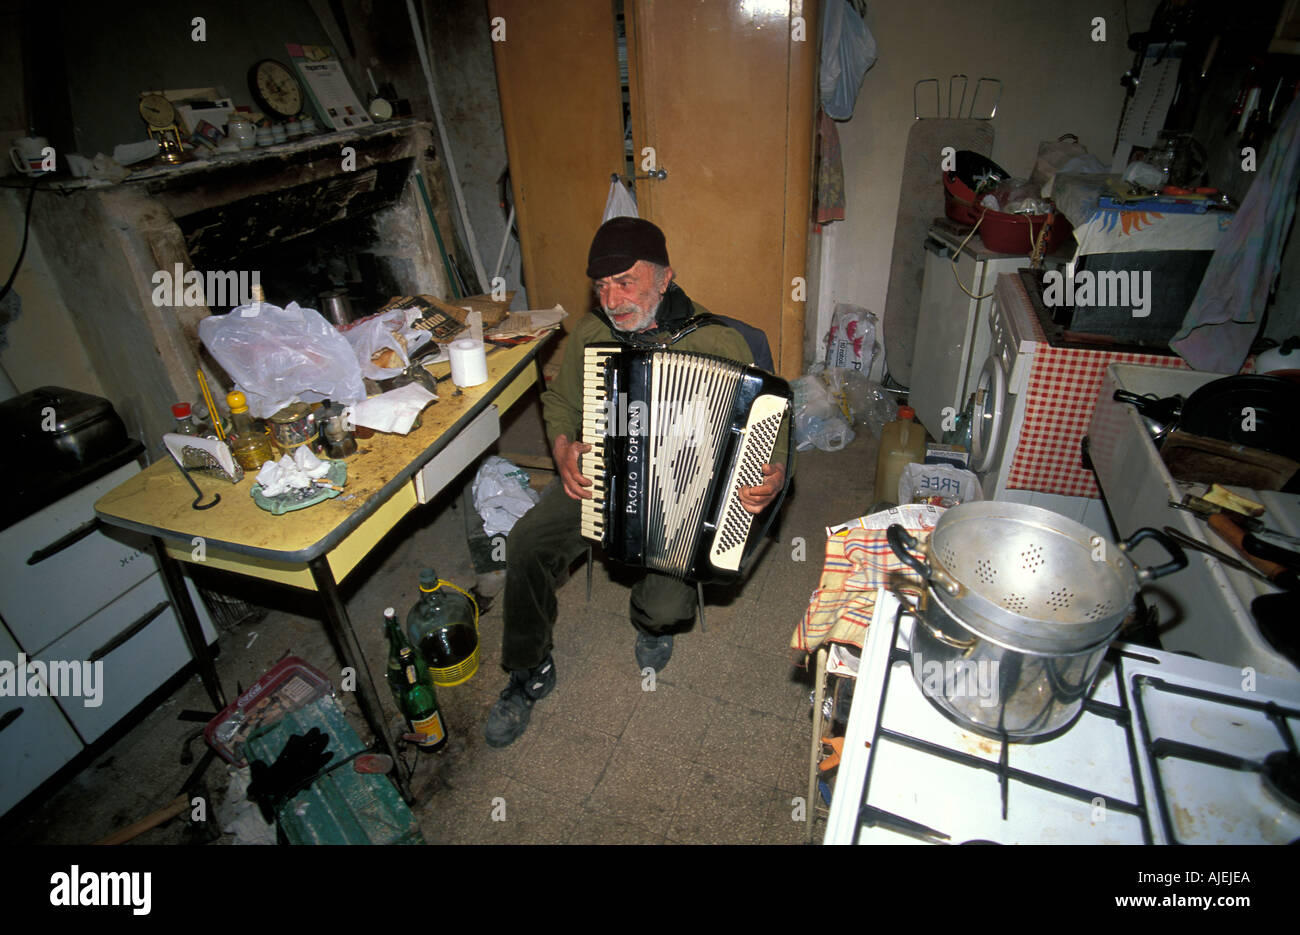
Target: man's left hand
column 756, row 499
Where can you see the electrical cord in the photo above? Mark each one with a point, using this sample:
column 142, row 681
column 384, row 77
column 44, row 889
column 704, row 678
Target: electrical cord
column 1036, row 249
column 956, row 253
column 22, row 252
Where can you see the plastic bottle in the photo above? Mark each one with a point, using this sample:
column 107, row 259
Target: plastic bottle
column 184, row 420
column 443, row 625
column 185, row 426
column 249, row 442
column 902, row 442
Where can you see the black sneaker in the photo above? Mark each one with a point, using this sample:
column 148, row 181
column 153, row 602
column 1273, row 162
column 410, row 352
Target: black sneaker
column 509, row 717
column 653, row 651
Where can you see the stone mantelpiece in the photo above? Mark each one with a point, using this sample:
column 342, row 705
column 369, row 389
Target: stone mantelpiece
column 105, row 243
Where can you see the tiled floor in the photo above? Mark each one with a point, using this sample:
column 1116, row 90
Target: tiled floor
column 714, row 751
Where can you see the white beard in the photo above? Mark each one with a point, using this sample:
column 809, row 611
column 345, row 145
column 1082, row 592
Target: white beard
column 644, row 321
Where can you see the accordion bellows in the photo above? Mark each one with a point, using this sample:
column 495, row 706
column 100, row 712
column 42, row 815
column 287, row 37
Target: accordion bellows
column 673, row 435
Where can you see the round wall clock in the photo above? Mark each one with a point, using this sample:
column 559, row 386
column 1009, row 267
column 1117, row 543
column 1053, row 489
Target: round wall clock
column 275, row 89
column 157, row 111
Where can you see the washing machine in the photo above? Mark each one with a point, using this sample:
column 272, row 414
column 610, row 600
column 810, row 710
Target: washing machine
column 952, row 331
column 1001, row 394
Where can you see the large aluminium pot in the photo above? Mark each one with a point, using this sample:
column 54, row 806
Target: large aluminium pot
column 1019, row 608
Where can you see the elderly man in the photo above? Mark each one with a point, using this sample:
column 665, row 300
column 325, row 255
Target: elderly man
column 639, row 303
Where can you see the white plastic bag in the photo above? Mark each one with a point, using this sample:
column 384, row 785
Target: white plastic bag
column 931, row 483
column 502, row 495
column 279, row 355
column 621, row 203
column 848, row 50
column 390, row 331
column 818, row 418
column 863, row 401
column 851, row 341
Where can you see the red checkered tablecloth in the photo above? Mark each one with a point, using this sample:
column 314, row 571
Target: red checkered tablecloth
column 1062, row 392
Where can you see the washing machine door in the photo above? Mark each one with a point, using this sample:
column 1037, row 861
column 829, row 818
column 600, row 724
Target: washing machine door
column 988, row 416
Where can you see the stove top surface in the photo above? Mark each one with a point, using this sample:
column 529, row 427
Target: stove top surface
column 1168, row 749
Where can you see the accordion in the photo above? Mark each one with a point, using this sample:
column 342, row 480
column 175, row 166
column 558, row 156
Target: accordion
column 673, row 434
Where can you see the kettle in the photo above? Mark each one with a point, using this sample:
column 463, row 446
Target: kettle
column 1284, row 357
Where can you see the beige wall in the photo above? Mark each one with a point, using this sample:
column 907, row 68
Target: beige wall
column 44, row 348
column 1055, row 80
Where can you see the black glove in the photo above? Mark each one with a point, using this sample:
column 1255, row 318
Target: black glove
column 302, row 758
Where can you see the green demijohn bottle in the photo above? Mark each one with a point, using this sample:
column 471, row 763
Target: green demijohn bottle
column 443, row 625
column 420, row 703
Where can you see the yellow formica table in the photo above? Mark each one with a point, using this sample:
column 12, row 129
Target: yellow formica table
column 315, row 548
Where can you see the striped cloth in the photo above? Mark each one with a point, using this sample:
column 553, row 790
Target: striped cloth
column 857, row 563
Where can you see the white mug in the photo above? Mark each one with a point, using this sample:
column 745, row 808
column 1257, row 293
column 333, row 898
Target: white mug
column 32, row 155
column 242, row 132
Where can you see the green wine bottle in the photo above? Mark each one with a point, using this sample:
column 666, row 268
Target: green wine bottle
column 396, row 641
column 420, row 703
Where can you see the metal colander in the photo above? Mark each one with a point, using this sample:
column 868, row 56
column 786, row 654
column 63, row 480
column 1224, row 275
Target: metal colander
column 1034, row 579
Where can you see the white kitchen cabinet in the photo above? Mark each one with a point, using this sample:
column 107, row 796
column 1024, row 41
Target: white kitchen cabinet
column 35, row 738
column 42, row 602
column 100, row 598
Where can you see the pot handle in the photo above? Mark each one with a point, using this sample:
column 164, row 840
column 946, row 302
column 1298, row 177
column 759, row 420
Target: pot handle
column 1178, row 558
column 900, row 540
column 916, row 613
column 1141, row 402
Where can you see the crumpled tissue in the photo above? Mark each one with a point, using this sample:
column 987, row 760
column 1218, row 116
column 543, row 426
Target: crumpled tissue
column 394, row 411
column 296, row 473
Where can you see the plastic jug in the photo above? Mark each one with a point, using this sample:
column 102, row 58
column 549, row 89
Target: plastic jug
column 902, row 442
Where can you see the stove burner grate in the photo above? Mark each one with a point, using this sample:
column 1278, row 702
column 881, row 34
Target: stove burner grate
column 1279, row 771
column 869, row 816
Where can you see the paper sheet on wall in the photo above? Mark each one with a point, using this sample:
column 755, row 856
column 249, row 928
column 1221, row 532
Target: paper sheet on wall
column 336, row 103
column 1144, row 117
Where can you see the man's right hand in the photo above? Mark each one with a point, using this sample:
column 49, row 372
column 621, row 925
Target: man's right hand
column 567, row 462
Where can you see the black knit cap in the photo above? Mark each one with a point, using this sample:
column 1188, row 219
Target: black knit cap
column 620, row 242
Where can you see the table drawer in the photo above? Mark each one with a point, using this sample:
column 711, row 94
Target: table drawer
column 35, row 738
column 133, row 645
column 460, row 453
column 42, row 602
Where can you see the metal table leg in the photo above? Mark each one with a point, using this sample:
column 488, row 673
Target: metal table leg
column 815, row 754
column 177, row 592
column 345, row 641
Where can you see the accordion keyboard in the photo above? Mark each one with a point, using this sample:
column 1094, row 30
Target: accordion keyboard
column 747, row 471
column 596, row 411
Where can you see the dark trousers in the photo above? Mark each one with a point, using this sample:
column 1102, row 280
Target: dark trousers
column 542, row 546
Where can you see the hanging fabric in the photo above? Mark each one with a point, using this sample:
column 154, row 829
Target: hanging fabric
column 1226, row 314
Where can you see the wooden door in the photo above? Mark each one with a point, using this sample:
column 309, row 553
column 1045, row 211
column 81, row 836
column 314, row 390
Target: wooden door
column 723, row 90
column 562, row 110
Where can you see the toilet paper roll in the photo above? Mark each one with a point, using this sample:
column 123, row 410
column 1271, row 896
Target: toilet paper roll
column 468, row 362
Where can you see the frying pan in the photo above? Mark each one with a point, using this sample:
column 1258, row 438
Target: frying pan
column 1278, row 618
column 1219, row 410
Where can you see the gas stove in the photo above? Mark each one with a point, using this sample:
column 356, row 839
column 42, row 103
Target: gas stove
column 1168, row 749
